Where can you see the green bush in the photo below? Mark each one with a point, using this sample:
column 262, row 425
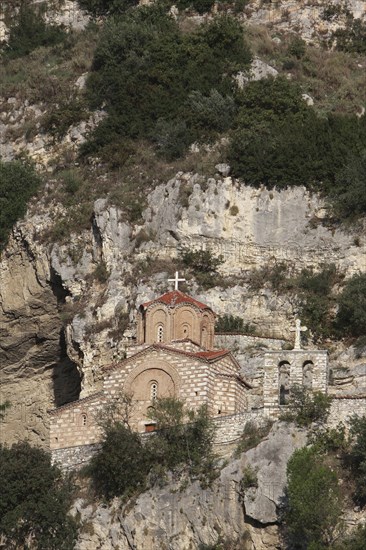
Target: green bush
column 305, row 407
column 232, row 323
column 317, row 299
column 120, row 468
column 145, row 69
column 353, row 38
column 30, row 31
column 313, row 508
column 355, row 457
column 183, row 439
column 203, row 264
column 18, row 183
column 106, row 7
column 34, row 502
column 251, row 437
column 349, row 194
column 351, row 316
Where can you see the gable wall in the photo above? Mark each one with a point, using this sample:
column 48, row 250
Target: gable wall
column 66, row 425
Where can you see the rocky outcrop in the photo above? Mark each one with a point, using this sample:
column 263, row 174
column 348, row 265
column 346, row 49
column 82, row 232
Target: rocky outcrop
column 177, row 518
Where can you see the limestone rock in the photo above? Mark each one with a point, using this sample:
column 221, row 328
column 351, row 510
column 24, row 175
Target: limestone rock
column 169, row 517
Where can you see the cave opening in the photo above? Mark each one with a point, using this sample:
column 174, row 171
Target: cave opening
column 66, row 376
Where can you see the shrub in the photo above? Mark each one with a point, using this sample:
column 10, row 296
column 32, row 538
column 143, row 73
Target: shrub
column 183, row 441
column 351, row 316
column 106, row 7
column 313, row 507
column 144, row 70
column 203, row 265
column 251, row 437
column 349, row 194
column 352, row 38
column 18, row 183
column 201, row 261
column 305, row 407
column 355, row 456
column 30, row 31
column 121, row 466
column 101, row 272
column 231, row 323
column 35, row 500
column 183, row 438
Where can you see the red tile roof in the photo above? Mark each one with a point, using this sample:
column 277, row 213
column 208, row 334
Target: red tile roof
column 174, row 298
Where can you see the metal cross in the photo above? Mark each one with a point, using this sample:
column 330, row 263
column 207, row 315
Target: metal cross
column 176, row 280
column 298, row 330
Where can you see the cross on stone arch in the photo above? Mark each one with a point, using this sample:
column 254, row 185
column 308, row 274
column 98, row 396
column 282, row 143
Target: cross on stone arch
column 298, row 330
column 176, row 280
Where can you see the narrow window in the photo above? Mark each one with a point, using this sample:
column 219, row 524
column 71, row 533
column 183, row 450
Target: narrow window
column 153, row 391
column 84, row 419
column 160, row 333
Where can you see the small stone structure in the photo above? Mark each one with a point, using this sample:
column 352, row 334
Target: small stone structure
column 283, row 369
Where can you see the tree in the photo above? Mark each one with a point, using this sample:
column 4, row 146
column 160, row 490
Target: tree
column 184, row 438
column 145, row 69
column 355, row 456
column 121, row 466
column 106, row 7
column 305, row 407
column 30, row 31
column 18, row 183
column 351, row 315
column 313, row 507
column 35, row 500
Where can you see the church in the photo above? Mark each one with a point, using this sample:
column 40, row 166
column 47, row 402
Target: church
column 174, row 356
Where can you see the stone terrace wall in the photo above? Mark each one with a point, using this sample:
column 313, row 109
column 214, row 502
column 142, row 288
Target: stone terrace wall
column 343, row 408
column 72, row 458
column 230, row 428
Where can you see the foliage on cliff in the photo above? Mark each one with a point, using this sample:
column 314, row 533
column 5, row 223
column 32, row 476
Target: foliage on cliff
column 18, row 183
column 34, row 501
column 163, row 85
column 183, row 442
column 314, row 503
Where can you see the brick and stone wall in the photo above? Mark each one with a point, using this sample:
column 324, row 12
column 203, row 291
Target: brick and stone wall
column 75, row 424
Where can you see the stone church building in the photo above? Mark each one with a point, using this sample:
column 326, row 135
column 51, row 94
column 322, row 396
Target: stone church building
column 174, row 357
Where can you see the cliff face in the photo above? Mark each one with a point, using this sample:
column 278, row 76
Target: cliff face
column 60, row 322
column 181, row 518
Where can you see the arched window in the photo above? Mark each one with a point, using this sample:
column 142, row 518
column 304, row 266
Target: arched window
column 160, row 333
column 284, row 382
column 84, row 419
column 153, row 390
column 307, row 375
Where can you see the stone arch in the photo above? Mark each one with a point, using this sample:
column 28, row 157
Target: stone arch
column 159, row 325
column 154, row 370
column 206, row 332
column 307, row 374
column 283, row 382
column 185, row 322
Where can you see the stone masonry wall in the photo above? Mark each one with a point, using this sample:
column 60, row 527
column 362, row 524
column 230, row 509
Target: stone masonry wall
column 296, row 359
column 72, row 458
column 343, row 408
